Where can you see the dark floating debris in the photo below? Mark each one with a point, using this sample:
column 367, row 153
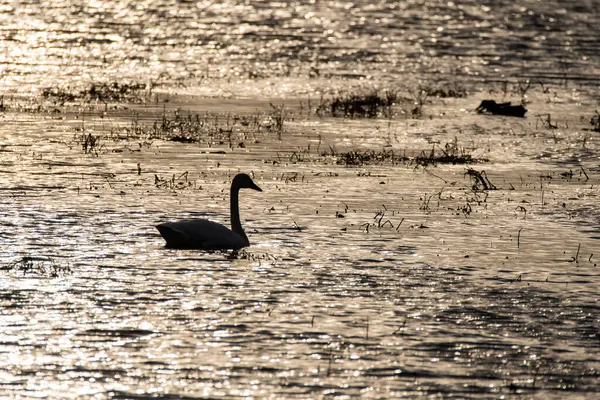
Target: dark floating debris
column 182, row 139
column 507, row 109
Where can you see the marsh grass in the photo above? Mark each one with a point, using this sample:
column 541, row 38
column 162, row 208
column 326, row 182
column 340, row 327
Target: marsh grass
column 90, row 144
column 448, row 90
column 382, row 220
column 450, row 153
column 357, row 157
column 246, row 255
column 56, row 100
column 480, row 180
column 371, row 104
column 110, row 92
column 26, row 105
column 384, row 103
column 36, row 266
column 419, row 98
column 595, row 122
column 545, row 120
column 212, row 129
column 277, row 118
column 180, row 182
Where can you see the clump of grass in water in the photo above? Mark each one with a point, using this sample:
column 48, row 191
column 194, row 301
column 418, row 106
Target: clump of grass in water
column 360, row 105
column 356, row 157
column 211, row 128
column 33, row 266
column 245, row 255
column 480, row 179
column 380, row 103
column 546, row 121
column 449, row 90
column 380, row 223
column 25, row 105
column 418, row 101
column 89, row 143
column 110, row 92
column 179, row 183
column 595, row 122
column 278, row 116
column 451, row 153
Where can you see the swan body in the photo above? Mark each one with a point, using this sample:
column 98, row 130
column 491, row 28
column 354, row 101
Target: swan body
column 200, row 234
column 203, row 234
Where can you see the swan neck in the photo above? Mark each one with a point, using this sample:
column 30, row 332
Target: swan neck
column 236, row 224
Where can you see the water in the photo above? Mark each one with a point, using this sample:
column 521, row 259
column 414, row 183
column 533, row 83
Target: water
column 381, row 280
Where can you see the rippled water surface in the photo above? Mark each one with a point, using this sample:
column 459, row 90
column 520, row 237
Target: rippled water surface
column 377, row 279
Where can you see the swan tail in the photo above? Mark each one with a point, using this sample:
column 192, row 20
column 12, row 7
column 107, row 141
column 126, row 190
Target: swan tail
column 174, row 238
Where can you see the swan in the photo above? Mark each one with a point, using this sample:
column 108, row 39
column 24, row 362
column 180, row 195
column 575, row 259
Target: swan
column 208, row 235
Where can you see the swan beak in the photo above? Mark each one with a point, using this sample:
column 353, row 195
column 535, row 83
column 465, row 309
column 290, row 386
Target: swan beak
column 255, row 187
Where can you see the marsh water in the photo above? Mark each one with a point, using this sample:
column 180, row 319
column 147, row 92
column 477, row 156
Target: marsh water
column 367, row 276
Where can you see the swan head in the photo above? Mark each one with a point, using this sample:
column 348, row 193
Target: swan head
column 243, row 181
